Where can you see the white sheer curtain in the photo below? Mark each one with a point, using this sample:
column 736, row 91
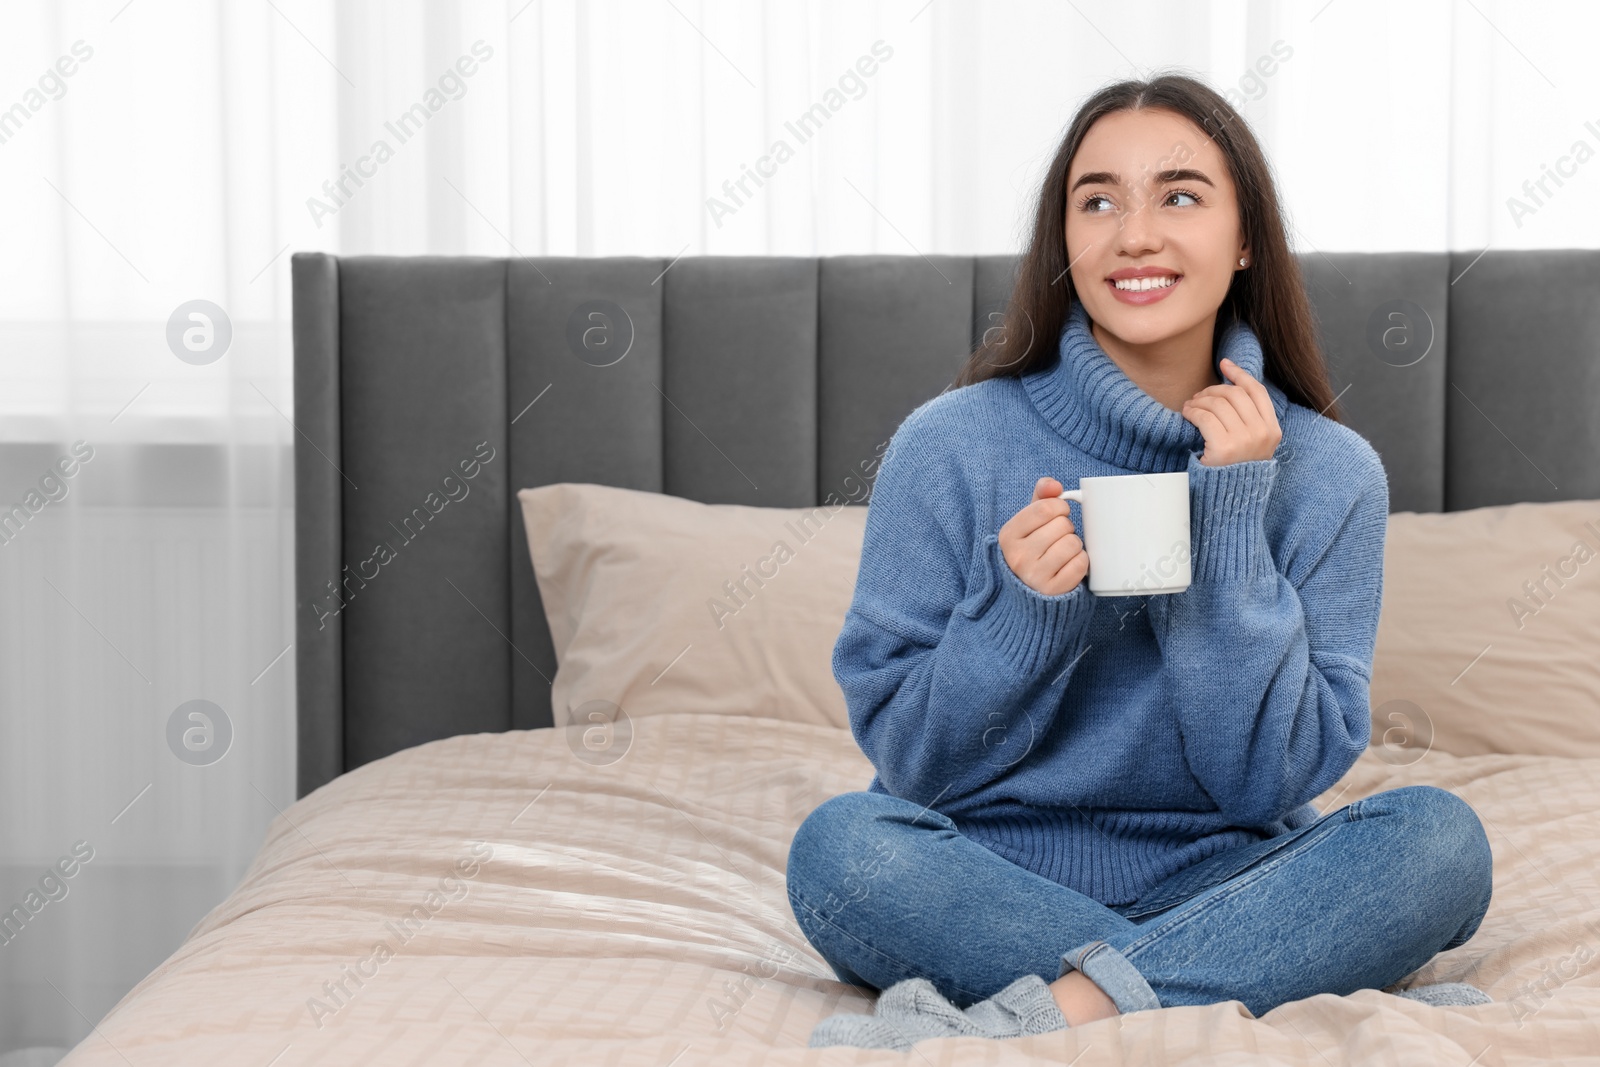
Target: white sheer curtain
column 159, row 152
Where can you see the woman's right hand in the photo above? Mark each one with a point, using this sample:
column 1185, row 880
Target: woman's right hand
column 1040, row 545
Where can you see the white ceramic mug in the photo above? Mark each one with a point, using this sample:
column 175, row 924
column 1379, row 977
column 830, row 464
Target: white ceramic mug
column 1136, row 532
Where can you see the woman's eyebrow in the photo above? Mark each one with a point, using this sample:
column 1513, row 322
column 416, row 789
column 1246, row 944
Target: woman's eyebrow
column 1106, row 177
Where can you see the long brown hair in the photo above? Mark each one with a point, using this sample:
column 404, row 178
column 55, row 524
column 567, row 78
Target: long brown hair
column 1270, row 295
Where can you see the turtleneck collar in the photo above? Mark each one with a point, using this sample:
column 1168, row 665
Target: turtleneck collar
column 1094, row 405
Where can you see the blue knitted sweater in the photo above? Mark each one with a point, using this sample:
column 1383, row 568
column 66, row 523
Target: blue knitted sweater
column 1106, row 743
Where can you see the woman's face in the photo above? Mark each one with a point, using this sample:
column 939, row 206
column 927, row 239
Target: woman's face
column 1147, row 189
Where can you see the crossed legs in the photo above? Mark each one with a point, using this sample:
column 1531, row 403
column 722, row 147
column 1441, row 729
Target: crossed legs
column 886, row 890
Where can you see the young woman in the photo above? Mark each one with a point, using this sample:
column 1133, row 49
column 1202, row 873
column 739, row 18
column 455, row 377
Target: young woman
column 1087, row 805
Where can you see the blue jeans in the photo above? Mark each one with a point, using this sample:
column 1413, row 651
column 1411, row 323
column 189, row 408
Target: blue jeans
column 886, row 890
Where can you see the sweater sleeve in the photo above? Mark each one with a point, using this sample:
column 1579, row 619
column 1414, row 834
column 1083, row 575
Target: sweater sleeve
column 1270, row 675
column 952, row 667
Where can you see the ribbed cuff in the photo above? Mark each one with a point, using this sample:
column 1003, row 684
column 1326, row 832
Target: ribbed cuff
column 1029, row 629
column 1227, row 508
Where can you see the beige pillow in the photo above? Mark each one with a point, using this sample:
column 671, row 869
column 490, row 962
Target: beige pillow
column 661, row 604
column 1489, row 636
column 641, row 594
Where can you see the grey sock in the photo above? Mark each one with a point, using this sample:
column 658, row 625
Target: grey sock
column 1447, row 995
column 913, row 1010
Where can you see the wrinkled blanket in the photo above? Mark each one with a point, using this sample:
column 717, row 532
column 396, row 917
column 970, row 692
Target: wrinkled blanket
column 498, row 899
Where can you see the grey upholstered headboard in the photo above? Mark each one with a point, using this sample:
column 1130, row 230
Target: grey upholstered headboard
column 765, row 381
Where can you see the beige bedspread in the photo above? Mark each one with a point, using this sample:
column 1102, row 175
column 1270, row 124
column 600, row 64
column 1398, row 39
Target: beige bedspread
column 493, row 899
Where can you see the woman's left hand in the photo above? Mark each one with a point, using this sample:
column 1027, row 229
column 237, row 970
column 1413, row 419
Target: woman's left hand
column 1237, row 420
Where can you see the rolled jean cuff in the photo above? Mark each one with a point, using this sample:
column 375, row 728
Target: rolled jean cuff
column 1111, row 971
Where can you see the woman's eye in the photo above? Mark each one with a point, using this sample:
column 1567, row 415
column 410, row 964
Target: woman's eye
column 1087, row 204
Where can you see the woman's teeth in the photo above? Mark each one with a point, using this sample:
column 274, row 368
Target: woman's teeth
column 1139, row 284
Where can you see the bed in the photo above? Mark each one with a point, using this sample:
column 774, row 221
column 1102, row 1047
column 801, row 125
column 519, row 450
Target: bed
column 548, row 788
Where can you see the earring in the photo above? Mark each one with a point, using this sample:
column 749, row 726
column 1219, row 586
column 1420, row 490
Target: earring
column 1241, row 261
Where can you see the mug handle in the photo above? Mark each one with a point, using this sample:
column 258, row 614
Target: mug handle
column 1073, row 494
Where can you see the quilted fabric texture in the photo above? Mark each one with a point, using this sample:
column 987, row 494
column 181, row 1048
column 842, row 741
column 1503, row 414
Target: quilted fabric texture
column 635, row 911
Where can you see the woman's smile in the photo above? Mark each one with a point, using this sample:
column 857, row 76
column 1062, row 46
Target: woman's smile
column 1146, row 290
